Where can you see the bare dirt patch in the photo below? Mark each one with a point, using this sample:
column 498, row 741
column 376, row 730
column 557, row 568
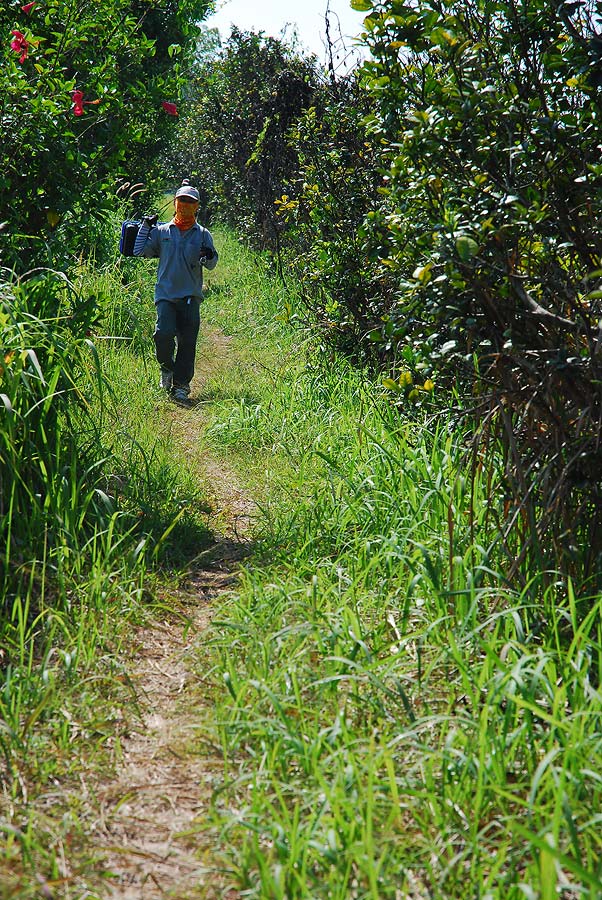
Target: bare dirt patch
column 152, row 809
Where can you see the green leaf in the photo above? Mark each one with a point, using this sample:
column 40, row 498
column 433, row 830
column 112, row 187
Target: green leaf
column 467, row 248
column 361, row 5
column 548, row 874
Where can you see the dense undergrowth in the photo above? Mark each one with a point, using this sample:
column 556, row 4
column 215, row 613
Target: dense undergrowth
column 397, row 719
column 95, row 512
column 438, row 209
column 408, row 681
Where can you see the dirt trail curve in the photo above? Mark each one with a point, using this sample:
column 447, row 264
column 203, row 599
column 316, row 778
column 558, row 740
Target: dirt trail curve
column 163, row 783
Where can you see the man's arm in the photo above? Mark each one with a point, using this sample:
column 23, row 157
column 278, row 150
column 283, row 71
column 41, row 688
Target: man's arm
column 145, row 239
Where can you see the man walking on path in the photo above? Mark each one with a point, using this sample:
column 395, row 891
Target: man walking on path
column 183, row 247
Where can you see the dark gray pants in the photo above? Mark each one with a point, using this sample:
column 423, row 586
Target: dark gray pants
column 176, row 333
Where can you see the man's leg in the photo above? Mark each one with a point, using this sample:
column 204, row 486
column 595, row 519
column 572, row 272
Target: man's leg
column 165, row 340
column 188, row 322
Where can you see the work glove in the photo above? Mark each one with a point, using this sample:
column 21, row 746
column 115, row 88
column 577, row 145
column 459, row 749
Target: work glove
column 150, row 219
column 207, row 253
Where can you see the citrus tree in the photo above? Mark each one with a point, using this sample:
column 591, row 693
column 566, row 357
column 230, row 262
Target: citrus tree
column 489, row 115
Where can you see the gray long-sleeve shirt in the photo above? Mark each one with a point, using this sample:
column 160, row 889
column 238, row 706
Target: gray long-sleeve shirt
column 180, row 271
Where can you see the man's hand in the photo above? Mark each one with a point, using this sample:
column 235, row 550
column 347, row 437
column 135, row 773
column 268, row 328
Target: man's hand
column 207, row 253
column 150, row 219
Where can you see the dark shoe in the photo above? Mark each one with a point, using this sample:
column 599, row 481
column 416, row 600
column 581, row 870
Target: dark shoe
column 180, row 396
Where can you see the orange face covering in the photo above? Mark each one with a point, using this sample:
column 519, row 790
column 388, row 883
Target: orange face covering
column 185, row 214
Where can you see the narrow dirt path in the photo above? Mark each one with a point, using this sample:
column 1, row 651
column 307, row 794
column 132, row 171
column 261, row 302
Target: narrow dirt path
column 149, row 811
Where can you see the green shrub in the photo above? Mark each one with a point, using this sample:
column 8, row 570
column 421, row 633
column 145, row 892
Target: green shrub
column 488, row 113
column 60, row 170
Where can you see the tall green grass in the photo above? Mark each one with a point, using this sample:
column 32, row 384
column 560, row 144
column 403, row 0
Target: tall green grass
column 52, row 504
column 69, row 563
column 397, row 719
column 91, row 507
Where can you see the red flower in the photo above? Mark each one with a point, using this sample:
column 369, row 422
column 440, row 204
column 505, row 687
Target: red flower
column 79, row 102
column 170, row 108
column 28, row 8
column 20, row 44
